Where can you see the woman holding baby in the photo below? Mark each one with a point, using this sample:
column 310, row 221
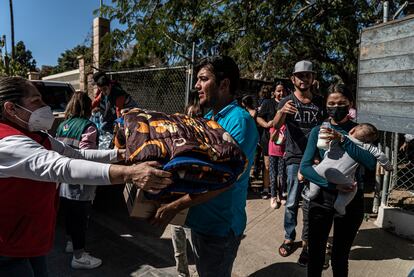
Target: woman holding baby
column 322, row 214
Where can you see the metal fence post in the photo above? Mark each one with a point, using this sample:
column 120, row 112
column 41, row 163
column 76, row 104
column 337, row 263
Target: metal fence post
column 384, row 196
column 190, row 77
column 394, row 160
column 187, row 84
column 386, row 8
column 378, row 184
column 192, row 65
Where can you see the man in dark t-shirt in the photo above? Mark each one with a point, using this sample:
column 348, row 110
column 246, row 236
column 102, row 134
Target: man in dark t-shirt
column 300, row 111
column 299, row 125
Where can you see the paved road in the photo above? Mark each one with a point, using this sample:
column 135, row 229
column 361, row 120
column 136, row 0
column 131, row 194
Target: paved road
column 133, row 248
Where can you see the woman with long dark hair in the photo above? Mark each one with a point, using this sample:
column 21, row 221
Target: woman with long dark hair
column 321, row 209
column 80, row 133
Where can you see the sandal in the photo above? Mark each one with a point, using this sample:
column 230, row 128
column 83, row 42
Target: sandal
column 287, row 247
column 278, row 204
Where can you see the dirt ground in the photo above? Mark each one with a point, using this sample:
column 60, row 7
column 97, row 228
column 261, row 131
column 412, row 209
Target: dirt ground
column 402, row 199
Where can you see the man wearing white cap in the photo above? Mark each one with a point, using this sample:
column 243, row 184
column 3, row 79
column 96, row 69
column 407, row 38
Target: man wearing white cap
column 300, row 111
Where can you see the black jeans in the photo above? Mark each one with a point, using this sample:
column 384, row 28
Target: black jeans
column 76, row 220
column 214, row 256
column 321, row 217
column 23, row 267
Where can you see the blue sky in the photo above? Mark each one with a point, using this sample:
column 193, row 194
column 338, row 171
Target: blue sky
column 49, row 27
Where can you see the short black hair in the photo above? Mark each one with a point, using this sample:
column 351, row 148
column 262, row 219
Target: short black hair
column 101, row 79
column 222, row 67
column 247, row 100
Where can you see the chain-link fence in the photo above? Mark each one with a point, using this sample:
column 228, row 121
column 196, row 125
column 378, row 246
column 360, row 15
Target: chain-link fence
column 161, row 89
column 398, row 186
column 401, row 192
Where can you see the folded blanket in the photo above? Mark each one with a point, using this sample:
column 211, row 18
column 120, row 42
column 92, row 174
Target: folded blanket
column 193, row 175
column 202, row 155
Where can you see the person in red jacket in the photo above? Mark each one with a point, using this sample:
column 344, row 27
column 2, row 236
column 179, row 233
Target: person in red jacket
column 31, row 163
column 111, row 99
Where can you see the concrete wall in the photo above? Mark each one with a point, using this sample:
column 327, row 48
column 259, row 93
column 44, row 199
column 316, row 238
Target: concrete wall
column 396, row 221
column 385, row 94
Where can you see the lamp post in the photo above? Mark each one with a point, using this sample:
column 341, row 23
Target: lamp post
column 100, row 8
column 12, row 28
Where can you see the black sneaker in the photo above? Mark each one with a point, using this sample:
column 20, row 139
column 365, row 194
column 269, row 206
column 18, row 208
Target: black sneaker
column 264, row 194
column 303, row 258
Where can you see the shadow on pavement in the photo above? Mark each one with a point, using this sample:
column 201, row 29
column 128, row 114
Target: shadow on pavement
column 126, row 246
column 378, row 244
column 121, row 255
column 281, row 269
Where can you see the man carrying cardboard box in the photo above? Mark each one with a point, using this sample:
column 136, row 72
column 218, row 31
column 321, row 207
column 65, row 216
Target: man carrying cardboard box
column 218, row 218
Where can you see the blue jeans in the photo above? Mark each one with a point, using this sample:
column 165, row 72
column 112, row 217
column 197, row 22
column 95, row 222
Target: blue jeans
column 294, row 190
column 214, row 256
column 27, row 267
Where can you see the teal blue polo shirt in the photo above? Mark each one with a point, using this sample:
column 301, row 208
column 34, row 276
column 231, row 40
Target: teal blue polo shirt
column 226, row 213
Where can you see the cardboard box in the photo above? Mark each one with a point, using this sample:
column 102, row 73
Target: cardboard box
column 141, row 207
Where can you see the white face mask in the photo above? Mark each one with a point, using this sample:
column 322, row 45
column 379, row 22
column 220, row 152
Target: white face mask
column 40, row 119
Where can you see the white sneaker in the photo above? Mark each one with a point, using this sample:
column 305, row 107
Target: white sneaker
column 69, row 247
column 86, row 261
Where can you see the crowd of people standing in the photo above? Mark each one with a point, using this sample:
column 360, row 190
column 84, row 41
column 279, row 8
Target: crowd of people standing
column 290, row 126
column 285, row 125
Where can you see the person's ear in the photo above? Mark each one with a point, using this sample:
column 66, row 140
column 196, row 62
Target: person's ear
column 9, row 108
column 292, row 78
column 225, row 84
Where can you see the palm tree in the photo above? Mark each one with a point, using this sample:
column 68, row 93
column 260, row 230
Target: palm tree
column 12, row 28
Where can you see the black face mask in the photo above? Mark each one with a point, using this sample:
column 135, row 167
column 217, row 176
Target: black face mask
column 338, row 113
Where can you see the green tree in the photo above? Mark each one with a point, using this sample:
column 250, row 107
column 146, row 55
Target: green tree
column 266, row 36
column 24, row 57
column 68, row 60
column 22, row 63
column 46, row 70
